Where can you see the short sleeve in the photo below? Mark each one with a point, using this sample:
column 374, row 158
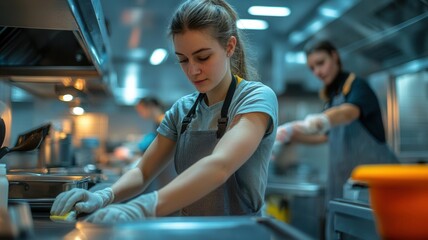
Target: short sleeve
column 171, row 124
column 259, row 98
column 168, row 126
column 362, row 96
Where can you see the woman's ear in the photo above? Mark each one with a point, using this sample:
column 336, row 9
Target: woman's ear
column 231, row 45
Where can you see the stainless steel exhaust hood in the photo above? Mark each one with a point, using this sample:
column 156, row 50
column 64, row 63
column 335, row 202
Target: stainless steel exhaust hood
column 53, row 39
column 377, row 35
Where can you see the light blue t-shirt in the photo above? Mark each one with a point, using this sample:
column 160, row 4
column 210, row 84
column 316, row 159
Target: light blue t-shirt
column 249, row 97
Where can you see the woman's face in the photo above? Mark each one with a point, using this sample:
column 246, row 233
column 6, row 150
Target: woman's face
column 143, row 110
column 324, row 65
column 204, row 61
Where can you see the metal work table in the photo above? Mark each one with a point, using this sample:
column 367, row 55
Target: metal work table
column 305, row 203
column 206, row 228
column 295, row 189
column 351, row 219
column 45, row 229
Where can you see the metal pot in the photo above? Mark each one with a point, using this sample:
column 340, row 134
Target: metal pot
column 56, row 150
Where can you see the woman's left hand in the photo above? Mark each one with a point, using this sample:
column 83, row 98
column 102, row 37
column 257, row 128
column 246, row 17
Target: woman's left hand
column 140, row 208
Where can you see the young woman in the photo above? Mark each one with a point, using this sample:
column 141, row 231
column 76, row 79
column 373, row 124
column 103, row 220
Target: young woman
column 223, row 133
column 352, row 118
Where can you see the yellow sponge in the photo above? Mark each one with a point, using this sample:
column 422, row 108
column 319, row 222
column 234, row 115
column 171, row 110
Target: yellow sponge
column 68, row 217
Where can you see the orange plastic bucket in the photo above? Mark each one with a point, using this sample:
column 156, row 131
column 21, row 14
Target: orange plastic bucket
column 398, row 197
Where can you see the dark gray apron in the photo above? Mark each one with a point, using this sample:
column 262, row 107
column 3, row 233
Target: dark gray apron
column 349, row 146
column 193, row 146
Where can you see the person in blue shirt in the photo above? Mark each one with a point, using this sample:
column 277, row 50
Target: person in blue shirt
column 221, row 135
column 150, row 108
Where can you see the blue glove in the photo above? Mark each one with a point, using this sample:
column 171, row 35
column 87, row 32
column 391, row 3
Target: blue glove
column 139, row 208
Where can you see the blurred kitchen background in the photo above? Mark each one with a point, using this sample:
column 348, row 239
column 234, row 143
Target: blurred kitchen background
column 108, row 53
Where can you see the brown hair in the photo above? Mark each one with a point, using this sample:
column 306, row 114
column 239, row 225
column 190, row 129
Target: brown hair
column 323, row 46
column 220, row 18
column 151, row 102
column 329, row 48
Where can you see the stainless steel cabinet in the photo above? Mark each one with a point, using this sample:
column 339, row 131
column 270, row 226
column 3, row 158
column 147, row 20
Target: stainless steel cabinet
column 411, row 113
column 351, row 220
column 403, row 96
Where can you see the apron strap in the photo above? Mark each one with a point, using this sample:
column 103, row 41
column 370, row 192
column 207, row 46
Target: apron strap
column 345, row 89
column 222, row 121
column 188, row 118
column 347, row 86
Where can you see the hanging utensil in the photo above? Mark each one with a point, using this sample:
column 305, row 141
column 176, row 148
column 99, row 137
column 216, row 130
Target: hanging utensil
column 28, row 141
column 2, row 131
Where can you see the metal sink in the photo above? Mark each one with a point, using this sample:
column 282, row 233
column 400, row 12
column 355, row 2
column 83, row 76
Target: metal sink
column 91, row 171
column 26, row 186
column 40, row 190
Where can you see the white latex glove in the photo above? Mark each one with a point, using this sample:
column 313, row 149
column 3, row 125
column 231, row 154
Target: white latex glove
column 316, row 124
column 82, row 200
column 284, row 132
column 137, row 209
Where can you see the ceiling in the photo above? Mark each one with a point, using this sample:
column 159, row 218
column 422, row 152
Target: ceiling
column 371, row 36
column 137, row 27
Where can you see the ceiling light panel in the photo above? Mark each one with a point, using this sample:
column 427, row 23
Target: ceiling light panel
column 158, row 56
column 269, row 11
column 252, row 24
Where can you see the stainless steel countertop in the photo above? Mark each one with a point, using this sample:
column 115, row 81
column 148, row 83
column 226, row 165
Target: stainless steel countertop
column 295, row 187
column 206, row 228
column 349, row 217
column 46, row 229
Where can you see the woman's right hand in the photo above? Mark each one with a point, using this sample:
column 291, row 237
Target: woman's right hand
column 317, row 124
column 81, row 200
column 285, row 131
